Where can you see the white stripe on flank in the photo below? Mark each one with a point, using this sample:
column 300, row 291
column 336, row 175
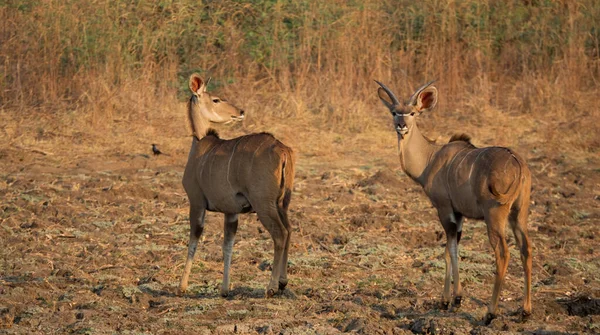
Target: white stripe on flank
column 449, row 168
column 254, row 154
column 475, row 162
column 230, row 158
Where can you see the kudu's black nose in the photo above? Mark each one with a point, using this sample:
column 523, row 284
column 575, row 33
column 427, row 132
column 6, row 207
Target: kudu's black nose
column 241, row 113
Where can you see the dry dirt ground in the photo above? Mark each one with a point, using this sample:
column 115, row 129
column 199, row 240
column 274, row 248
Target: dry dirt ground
column 93, row 236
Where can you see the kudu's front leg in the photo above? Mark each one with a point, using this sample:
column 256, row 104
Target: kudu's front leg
column 196, row 227
column 452, row 223
column 230, row 227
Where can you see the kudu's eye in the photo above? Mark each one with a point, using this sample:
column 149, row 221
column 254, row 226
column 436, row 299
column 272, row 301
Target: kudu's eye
column 412, row 114
column 216, row 101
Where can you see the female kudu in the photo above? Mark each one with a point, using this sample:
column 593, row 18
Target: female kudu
column 251, row 173
column 492, row 183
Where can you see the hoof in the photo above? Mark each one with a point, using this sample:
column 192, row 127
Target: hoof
column 488, row 318
column 525, row 315
column 224, row 291
column 270, row 293
column 282, row 285
column 457, row 301
column 444, row 305
column 181, row 292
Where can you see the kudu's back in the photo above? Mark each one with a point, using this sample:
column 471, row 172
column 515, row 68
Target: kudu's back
column 471, row 176
column 231, row 174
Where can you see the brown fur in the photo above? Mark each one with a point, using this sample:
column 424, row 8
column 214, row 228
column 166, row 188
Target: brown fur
column 253, row 172
column 491, row 183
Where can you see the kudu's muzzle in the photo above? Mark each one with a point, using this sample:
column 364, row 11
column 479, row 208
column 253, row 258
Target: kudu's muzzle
column 238, row 117
column 399, row 124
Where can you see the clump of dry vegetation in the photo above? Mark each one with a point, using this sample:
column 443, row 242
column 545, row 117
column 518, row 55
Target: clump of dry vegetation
column 311, row 60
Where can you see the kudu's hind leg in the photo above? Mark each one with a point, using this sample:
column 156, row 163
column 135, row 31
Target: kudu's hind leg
column 452, row 223
column 454, row 258
column 230, row 227
column 196, row 228
column 447, row 277
column 495, row 219
column 518, row 223
column 284, row 259
column 269, row 217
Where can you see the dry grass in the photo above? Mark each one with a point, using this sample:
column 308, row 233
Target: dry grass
column 308, row 59
column 111, row 65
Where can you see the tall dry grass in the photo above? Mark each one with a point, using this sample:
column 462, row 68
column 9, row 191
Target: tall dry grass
column 310, row 60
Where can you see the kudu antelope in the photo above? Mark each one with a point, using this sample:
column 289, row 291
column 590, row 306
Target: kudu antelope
column 491, row 183
column 251, row 173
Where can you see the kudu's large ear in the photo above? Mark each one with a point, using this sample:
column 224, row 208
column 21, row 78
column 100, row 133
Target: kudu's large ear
column 197, row 84
column 427, row 99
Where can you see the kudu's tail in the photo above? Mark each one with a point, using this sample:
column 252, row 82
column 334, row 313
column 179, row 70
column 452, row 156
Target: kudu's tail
column 286, row 185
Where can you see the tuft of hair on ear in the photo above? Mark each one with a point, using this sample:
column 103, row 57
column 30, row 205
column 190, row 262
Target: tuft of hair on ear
column 212, row 132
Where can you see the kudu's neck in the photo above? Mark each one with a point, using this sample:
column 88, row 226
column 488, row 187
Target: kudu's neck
column 199, row 124
column 416, row 152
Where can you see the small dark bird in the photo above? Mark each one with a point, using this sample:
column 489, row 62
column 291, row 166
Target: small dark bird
column 155, row 150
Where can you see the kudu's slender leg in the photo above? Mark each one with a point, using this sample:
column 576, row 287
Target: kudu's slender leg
column 284, row 259
column 452, row 223
column 518, row 223
column 495, row 219
column 447, row 276
column 454, row 258
column 230, row 227
column 196, row 227
column 269, row 217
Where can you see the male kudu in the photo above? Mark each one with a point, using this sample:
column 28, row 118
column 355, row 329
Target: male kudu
column 492, row 183
column 250, row 173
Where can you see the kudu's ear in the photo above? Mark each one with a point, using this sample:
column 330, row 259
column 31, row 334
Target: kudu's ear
column 197, row 84
column 427, row 99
